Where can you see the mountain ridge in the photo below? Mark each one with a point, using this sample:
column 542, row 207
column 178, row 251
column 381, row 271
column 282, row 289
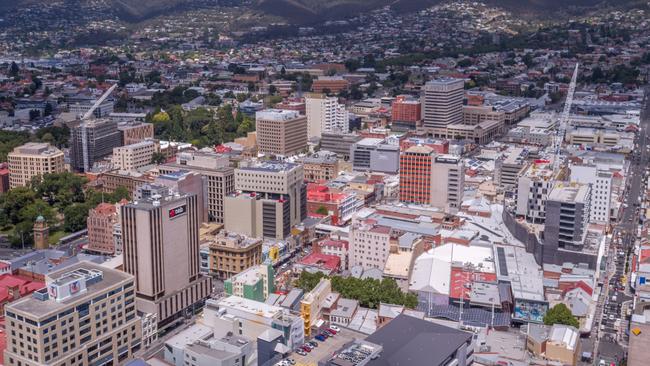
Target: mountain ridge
column 301, row 11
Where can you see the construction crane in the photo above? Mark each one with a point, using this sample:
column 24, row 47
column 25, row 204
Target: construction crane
column 564, row 121
column 84, row 130
column 98, row 102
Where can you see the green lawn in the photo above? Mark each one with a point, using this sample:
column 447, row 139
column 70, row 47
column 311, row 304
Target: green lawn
column 56, row 236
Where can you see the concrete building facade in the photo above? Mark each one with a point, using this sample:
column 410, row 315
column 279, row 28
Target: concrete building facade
column 325, row 114
column 281, row 132
column 442, row 104
column 33, row 159
column 447, row 182
column 86, row 315
column 134, row 156
column 271, row 198
column 161, row 248
column 219, row 176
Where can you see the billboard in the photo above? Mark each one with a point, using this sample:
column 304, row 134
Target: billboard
column 530, row 311
column 177, row 211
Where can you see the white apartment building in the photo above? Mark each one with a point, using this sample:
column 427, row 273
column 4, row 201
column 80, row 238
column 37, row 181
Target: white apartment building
column 447, row 182
column 134, row 156
column 325, row 114
column 370, row 245
column 532, row 191
column 601, row 190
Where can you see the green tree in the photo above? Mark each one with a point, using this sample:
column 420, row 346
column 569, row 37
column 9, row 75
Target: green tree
column 560, row 314
column 60, row 189
column 48, row 109
column 158, row 158
column 75, row 217
column 12, row 202
column 160, row 117
column 322, row 210
column 23, row 234
column 14, row 69
column 38, row 208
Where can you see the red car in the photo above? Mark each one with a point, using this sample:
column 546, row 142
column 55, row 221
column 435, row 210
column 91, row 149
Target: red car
column 306, row 349
column 331, row 331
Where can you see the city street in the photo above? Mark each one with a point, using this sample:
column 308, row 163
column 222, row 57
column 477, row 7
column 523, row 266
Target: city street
column 611, row 340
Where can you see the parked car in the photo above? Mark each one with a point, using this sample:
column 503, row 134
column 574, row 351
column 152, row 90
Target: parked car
column 320, row 338
column 332, row 330
column 335, row 328
column 312, row 344
column 306, row 348
column 301, row 352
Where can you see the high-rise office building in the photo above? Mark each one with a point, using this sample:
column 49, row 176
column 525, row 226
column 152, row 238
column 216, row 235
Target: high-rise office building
column 219, row 176
column 442, row 105
column 161, row 248
column 32, row 159
column 271, row 198
column 415, row 178
column 91, row 141
column 86, row 315
column 281, row 132
column 325, row 114
column 447, row 182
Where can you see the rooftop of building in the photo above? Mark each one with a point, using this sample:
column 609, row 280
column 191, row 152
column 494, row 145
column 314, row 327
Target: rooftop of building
column 448, row 159
column 569, row 193
column 36, row 148
column 40, row 308
column 249, row 276
column 249, row 306
column 444, row 81
column 407, row 340
column 156, row 201
column 370, row 141
column 323, row 261
column 235, row 240
column 279, row 115
column 273, row 166
column 564, row 335
column 321, row 157
column 419, row 149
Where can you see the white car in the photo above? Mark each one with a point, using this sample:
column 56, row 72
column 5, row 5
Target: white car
column 335, row 328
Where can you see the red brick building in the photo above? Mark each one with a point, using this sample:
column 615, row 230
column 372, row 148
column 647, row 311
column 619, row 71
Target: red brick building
column 406, row 113
column 101, row 221
column 4, row 177
column 332, row 84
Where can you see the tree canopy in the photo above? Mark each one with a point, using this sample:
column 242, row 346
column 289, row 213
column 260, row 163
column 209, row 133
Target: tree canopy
column 560, row 314
column 369, row 292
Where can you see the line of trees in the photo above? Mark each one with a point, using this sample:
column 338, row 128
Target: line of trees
column 369, row 292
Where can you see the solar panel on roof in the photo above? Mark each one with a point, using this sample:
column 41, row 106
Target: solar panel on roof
column 503, row 267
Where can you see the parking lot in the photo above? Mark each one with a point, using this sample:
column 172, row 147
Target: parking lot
column 327, row 348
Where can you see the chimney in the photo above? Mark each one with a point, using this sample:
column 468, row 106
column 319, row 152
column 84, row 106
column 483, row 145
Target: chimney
column 14, row 292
